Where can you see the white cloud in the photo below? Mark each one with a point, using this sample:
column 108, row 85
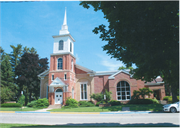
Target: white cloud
column 110, row 64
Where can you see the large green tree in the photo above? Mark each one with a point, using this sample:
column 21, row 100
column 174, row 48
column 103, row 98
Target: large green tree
column 27, row 70
column 8, row 88
column 144, row 33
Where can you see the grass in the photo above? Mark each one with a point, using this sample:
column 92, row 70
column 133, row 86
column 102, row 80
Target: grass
column 133, row 107
column 17, row 109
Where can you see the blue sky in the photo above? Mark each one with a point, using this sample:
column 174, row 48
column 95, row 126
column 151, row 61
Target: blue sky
column 33, row 24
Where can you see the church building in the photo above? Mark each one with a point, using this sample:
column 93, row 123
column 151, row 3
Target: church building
column 66, row 79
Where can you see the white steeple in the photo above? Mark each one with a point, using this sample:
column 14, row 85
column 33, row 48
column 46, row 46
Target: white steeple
column 64, row 29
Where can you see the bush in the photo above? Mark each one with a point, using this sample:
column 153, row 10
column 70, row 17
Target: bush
column 21, row 100
column 86, row 104
column 143, row 101
column 100, row 102
column 169, row 98
column 11, row 105
column 42, row 103
column 166, row 98
column 32, row 103
column 71, row 103
column 114, row 102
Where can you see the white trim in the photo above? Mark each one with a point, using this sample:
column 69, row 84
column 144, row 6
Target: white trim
column 113, row 76
column 65, row 74
column 43, row 74
column 64, row 36
column 83, row 68
column 61, row 93
column 86, row 90
column 123, row 91
column 63, row 53
column 158, row 83
column 62, row 63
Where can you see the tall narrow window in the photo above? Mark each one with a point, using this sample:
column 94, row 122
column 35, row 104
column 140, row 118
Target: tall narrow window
column 70, row 47
column 52, row 77
column 65, row 77
column 61, row 43
column 60, row 63
column 72, row 64
column 123, row 91
column 83, row 89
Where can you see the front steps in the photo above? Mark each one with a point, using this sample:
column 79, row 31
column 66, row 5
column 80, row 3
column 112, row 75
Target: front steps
column 54, row 106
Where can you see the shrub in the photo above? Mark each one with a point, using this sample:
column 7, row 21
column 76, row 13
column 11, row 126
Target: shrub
column 114, row 102
column 21, row 100
column 32, row 103
column 169, row 98
column 143, row 101
column 100, row 102
column 166, row 98
column 100, row 97
column 11, row 105
column 71, row 103
column 42, row 103
column 86, row 104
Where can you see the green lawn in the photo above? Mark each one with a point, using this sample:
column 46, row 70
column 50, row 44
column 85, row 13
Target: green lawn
column 2, row 125
column 17, row 109
column 133, row 107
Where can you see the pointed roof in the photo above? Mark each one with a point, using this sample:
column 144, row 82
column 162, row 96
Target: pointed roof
column 64, row 29
column 57, row 83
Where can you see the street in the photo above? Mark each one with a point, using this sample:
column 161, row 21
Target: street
column 153, row 119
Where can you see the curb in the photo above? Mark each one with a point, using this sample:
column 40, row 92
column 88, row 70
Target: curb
column 119, row 112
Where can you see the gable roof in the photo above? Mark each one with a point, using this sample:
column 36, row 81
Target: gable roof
column 120, row 71
column 57, row 83
column 43, row 74
column 83, row 68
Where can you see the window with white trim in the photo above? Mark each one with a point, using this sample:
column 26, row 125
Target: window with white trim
column 52, row 77
column 83, row 91
column 61, row 43
column 123, row 91
column 60, row 63
column 65, row 76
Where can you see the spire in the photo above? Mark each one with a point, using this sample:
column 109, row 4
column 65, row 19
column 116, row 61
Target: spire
column 64, row 29
column 65, row 20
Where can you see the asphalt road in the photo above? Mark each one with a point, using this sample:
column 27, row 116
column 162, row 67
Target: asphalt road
column 153, row 119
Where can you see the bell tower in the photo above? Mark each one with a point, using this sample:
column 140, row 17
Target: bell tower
column 62, row 71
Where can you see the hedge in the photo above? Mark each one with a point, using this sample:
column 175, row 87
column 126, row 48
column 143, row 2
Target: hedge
column 143, row 101
column 86, row 104
column 114, row 102
column 11, row 105
column 32, row 103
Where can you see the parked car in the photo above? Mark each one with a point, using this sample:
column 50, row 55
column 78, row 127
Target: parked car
column 174, row 107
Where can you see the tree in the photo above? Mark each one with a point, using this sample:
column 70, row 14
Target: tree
column 27, row 70
column 143, row 33
column 145, row 91
column 15, row 56
column 6, row 94
column 122, row 68
column 7, row 74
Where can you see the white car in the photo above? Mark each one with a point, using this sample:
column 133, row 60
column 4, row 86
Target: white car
column 171, row 107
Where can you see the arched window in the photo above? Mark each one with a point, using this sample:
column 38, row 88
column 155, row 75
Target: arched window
column 60, row 63
column 61, row 43
column 123, row 91
column 59, row 90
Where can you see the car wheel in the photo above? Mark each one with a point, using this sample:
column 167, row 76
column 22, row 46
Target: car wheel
column 173, row 110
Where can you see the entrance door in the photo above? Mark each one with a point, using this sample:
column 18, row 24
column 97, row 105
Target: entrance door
column 157, row 94
column 58, row 96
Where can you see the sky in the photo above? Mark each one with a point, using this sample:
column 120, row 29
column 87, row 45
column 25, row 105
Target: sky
column 33, row 24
